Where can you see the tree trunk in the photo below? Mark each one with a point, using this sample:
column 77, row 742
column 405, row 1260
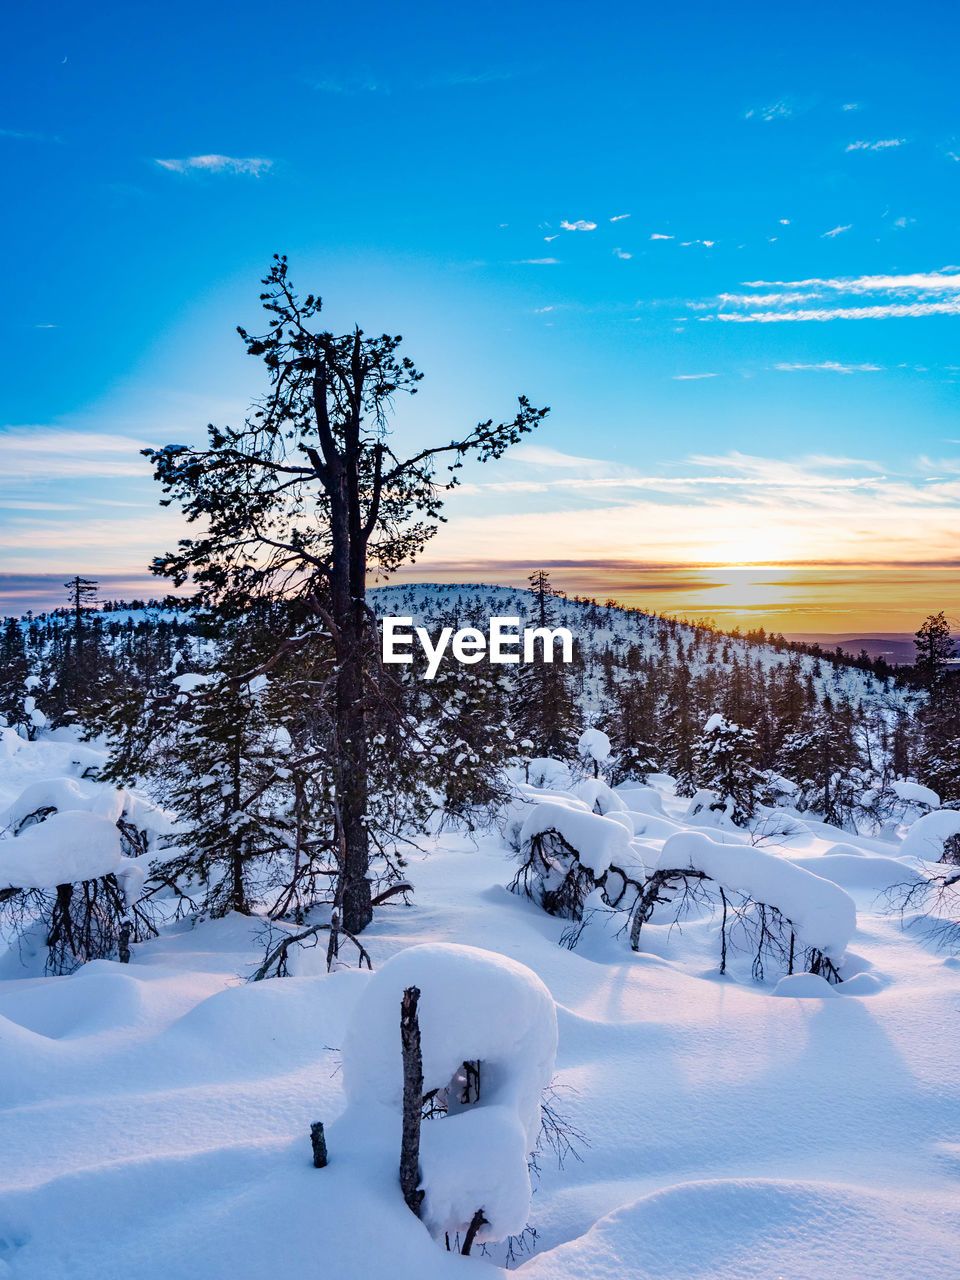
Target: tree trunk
column 347, row 590
column 412, row 1100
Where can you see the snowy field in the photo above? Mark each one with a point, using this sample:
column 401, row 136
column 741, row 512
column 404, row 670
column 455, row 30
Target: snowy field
column 156, row 1115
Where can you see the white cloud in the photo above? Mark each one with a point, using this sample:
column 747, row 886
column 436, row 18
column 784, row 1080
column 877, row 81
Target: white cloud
column 758, row 299
column 779, row 110
column 581, row 225
column 537, row 262
column 717, row 508
column 659, row 236
column 619, row 217
column 878, row 297
column 917, row 282
column 886, row 311
column 832, row 366
column 692, row 377
column 850, row 106
column 549, row 238
column 251, row 166
column 622, row 253
column 784, row 222
column 27, row 135
column 881, row 145
column 45, row 453
column 828, row 235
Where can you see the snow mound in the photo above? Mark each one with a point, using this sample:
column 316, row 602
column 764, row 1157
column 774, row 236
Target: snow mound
column 475, row 1006
column 594, row 746
column 598, row 840
column 763, row 1230
column 927, row 836
column 914, row 793
column 551, row 775
column 824, row 915
column 64, row 849
column 805, row 986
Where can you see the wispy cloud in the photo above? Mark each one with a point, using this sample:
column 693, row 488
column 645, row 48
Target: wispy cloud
column 692, row 377
column 779, row 110
column 945, row 281
column 879, row 312
column 657, row 235
column 28, row 135
column 251, row 166
column 831, row 366
column 836, row 231
column 581, row 225
column 712, row 508
column 621, row 253
column 619, row 217
column 349, row 85
column 536, row 262
column 45, row 453
column 882, row 145
column 878, row 297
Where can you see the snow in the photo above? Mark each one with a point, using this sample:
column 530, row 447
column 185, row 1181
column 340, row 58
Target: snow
column 925, row 838
column 549, row 774
column 594, row 745
column 825, row 916
column 598, row 840
column 474, row 1006
column 64, row 849
column 156, row 1115
column 761, row 1229
column 914, row 793
column 805, row 986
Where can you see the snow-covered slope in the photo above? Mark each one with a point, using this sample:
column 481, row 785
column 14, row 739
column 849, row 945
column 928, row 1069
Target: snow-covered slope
column 600, row 628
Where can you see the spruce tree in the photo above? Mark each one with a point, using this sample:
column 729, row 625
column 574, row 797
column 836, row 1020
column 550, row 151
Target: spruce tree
column 546, row 710
column 726, row 759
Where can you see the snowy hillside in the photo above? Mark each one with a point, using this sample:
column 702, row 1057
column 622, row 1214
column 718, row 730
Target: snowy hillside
column 157, row 1113
column 600, row 628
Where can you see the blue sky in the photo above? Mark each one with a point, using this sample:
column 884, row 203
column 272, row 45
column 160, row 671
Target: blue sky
column 721, row 243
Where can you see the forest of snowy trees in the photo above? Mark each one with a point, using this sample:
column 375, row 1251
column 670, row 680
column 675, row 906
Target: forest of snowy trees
column 240, row 765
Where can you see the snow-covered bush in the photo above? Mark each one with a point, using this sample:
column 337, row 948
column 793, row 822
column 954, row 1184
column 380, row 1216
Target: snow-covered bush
column 780, row 908
column 73, row 857
column 488, row 1040
column 594, row 752
column 548, row 774
column 566, row 851
column 929, row 836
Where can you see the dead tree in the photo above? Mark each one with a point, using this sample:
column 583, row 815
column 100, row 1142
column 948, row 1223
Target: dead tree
column 412, row 1100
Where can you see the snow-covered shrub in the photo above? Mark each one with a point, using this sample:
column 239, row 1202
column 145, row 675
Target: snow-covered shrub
column 566, row 851
column 548, row 774
column 594, row 752
column 929, row 836
column 488, row 1039
column 596, row 795
column 781, row 909
column 73, row 856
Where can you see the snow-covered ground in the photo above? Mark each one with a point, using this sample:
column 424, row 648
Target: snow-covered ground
column 156, row 1115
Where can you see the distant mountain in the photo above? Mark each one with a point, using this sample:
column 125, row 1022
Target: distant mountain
column 896, row 647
